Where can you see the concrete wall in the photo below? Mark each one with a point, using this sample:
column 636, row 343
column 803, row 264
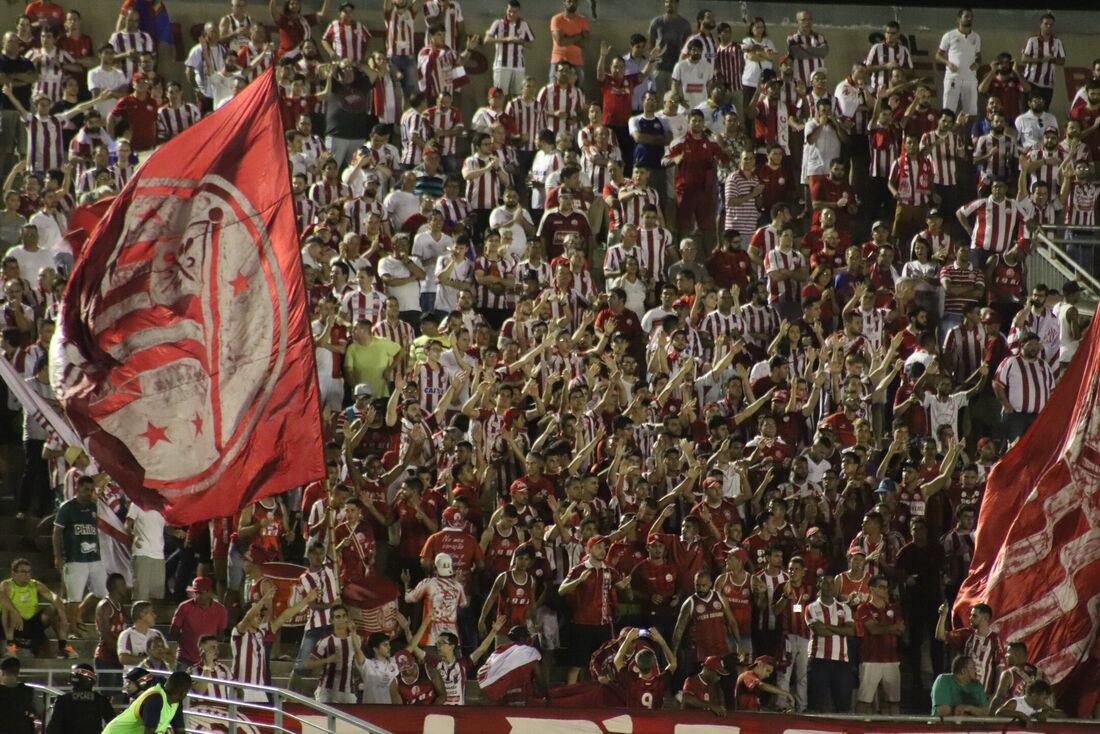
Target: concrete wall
column 846, row 26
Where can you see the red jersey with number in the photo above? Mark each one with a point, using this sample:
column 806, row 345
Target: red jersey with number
column 694, row 686
column 498, row 555
column 738, row 597
column 420, row 692
column 641, row 692
column 515, row 599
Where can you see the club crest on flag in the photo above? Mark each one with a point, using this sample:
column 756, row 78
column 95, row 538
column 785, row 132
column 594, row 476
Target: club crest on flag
column 199, row 408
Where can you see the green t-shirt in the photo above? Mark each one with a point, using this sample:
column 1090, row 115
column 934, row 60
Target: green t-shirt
column 80, row 536
column 947, row 691
column 368, row 364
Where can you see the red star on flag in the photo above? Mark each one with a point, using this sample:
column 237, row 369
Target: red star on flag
column 154, row 434
column 197, row 423
column 239, row 283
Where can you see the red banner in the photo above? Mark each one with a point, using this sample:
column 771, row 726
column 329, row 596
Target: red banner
column 1037, row 553
column 496, row 720
column 184, row 356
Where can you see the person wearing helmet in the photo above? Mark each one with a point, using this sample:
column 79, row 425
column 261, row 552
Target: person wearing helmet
column 139, row 679
column 442, row 595
column 156, row 709
column 83, row 710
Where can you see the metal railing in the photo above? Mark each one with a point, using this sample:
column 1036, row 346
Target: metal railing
column 1055, row 266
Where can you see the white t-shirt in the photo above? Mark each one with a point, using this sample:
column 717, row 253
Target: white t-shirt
column 945, row 411
column 400, row 205
column 816, row 156
column 750, row 77
column 962, row 51
column 518, row 248
column 426, row 249
column 50, row 236
column 693, row 80
column 221, row 88
column 675, row 125
column 31, row 262
column 148, row 532
column 446, row 298
column 133, row 642
column 100, row 79
column 407, row 294
column 377, row 675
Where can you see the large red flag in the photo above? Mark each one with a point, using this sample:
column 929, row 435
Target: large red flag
column 184, row 356
column 1037, row 553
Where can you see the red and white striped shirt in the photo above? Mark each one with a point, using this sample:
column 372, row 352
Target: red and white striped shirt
column 324, row 580
column 1049, row 169
column 1027, row 383
column 964, row 348
column 741, row 217
column 630, row 211
column 805, row 68
column 359, row 306
column 912, row 177
column 399, row 333
column 828, row 647
column 249, row 658
column 412, row 123
column 1002, row 152
column 759, row 324
column 710, row 46
column 882, row 144
column 1047, row 49
column 45, row 143
column 305, row 211
column 431, row 383
column 510, row 55
column 718, row 324
column 123, row 42
column 451, row 17
column 324, row 193
column 654, row 244
column 435, row 71
column 348, row 40
column 497, row 268
column 400, row 31
column 784, row 291
column 729, row 63
column 598, row 173
column 455, row 211
column 874, row 326
column 437, row 118
column 483, row 191
column 944, row 152
column 171, row 121
column 1080, row 203
column 765, row 239
column 247, row 54
column 528, row 119
column 995, row 226
column 988, row 654
column 336, row 676
column 48, row 65
column 882, row 54
column 555, row 99
column 357, row 210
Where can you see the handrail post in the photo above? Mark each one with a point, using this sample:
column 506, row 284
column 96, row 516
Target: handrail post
column 279, row 709
column 233, row 715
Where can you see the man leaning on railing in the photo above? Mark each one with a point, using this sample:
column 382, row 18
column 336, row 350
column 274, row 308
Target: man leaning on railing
column 156, row 710
column 958, row 693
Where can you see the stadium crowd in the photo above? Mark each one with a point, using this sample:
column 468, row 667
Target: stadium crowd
column 682, row 365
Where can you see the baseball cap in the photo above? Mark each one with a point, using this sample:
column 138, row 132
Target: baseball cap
column 991, row 317
column 654, row 539
column 1071, row 287
column 934, row 214
column 200, row 584
column 856, row 550
column 741, row 554
column 452, row 518
column 594, row 541
column 765, row 660
column 494, row 91
column 404, row 659
column 1027, row 336
column 984, row 441
column 362, row 390
column 349, row 6
column 141, row 76
column 712, row 482
column 812, row 531
column 715, row 664
column 887, row 485
column 682, row 301
column 444, row 565
column 879, row 223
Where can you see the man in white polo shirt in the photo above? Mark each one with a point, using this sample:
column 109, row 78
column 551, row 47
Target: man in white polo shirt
column 961, row 52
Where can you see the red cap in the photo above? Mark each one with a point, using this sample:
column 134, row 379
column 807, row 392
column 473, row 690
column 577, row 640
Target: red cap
column 654, row 539
column 682, row 301
column 494, row 91
column 139, row 75
column 741, row 554
column 765, row 660
column 200, row 584
column 712, row 482
column 812, row 531
column 452, row 518
column 594, row 540
column 403, row 658
column 985, row 441
column 991, row 317
column 428, row 150
column 714, row 663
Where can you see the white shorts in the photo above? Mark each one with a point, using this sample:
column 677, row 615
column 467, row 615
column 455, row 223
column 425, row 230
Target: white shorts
column 960, row 95
column 325, row 695
column 332, row 392
column 81, row 577
column 509, row 80
column 873, row 674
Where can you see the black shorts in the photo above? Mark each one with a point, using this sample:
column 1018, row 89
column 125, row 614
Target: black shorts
column 583, row 640
column 34, row 629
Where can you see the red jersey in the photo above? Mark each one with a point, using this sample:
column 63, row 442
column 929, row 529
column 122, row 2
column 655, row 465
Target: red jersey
column 696, row 171
column 777, row 185
column 462, row 547
column 653, row 578
column 594, row 600
column 709, row 630
column 498, row 555
column 641, row 692
column 515, row 599
column 738, row 597
column 880, row 648
column 106, row 649
column 694, row 686
column 745, row 691
column 420, row 692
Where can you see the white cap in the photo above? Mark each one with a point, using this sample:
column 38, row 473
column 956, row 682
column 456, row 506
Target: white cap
column 444, row 566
